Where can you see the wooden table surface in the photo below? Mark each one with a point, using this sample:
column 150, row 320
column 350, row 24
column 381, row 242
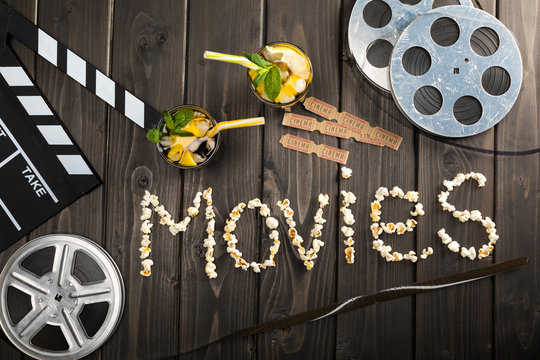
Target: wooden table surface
column 154, row 49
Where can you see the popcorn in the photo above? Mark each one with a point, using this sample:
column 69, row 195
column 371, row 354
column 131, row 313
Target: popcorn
column 443, row 196
column 272, row 223
column 146, row 226
column 285, row 204
column 412, row 196
column 323, row 200
column 316, row 231
column 318, row 217
column 418, row 210
column 397, row 256
column 192, row 211
column 210, row 212
column 264, row 210
column 145, row 242
column 449, row 185
column 396, row 191
column 348, row 197
column 411, row 224
column 296, row 240
column 256, row 267
column 145, row 252
column 349, row 255
column 210, row 270
column 174, row 230
column 375, row 217
column 411, row 255
column 399, row 228
column 454, row 246
column 389, row 228
column 347, row 231
column 252, row 204
column 472, row 253
column 288, row 213
column 154, row 200
column 230, row 227
column 147, row 265
column 476, row 215
column 378, row 244
column 466, row 215
column 166, row 221
column 146, row 213
column 376, row 230
column 346, row 173
column 349, row 242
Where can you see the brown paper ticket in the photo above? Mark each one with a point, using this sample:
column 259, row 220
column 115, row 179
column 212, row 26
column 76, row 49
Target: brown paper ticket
column 326, row 127
column 321, row 150
column 372, row 135
column 387, row 138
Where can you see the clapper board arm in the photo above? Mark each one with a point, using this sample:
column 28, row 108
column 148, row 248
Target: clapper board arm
column 80, row 70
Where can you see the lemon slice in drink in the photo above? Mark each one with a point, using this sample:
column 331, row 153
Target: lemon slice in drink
column 187, row 159
column 175, row 153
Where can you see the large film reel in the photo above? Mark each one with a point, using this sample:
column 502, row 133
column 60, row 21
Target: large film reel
column 375, row 27
column 62, row 296
column 456, row 71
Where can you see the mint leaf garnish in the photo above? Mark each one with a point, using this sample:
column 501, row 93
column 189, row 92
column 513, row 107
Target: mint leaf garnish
column 259, row 78
column 257, row 60
column 183, row 117
column 182, row 133
column 272, row 84
column 168, row 119
column 154, row 135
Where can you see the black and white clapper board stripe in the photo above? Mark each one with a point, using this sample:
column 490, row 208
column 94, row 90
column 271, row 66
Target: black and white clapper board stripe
column 42, row 170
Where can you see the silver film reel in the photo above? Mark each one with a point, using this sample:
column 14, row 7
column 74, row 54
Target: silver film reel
column 62, row 297
column 456, row 71
column 376, row 25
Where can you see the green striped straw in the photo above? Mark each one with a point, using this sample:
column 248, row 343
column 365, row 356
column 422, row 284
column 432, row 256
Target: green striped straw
column 235, row 59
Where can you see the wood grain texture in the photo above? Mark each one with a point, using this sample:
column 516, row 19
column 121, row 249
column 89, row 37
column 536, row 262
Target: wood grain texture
column 461, row 316
column 218, row 307
column 517, row 296
column 290, row 288
column 368, row 332
column 147, row 58
column 155, row 50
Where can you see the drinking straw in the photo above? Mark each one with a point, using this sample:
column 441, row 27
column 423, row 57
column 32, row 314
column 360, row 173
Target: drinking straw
column 235, row 59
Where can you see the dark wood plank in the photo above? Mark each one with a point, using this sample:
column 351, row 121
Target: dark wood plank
column 83, row 113
column 517, row 295
column 217, row 307
column 460, row 317
column 147, row 58
column 290, row 288
column 390, row 323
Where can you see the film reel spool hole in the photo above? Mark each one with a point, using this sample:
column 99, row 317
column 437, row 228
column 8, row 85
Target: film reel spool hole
column 379, row 53
column 445, row 31
column 377, row 14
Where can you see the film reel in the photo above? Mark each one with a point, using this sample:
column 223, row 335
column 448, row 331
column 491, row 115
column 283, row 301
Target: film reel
column 62, row 296
column 376, row 25
column 456, row 71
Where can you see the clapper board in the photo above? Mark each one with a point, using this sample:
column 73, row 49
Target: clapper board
column 42, row 170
